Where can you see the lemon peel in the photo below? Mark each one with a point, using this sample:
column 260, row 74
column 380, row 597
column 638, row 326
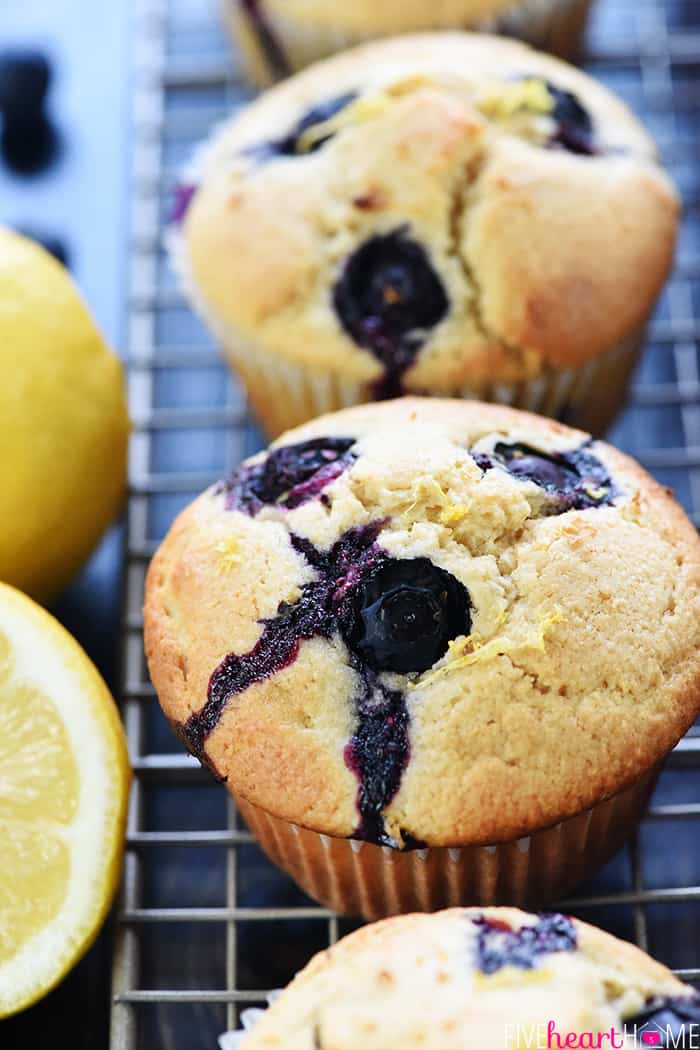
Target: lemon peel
column 596, row 493
column 362, row 109
column 356, row 112
column 451, row 513
column 509, row 98
column 508, row 976
column 465, row 652
column 64, row 427
column 229, row 556
column 63, row 801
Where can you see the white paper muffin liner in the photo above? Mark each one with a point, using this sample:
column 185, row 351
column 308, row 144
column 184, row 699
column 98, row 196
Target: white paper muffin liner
column 286, row 393
column 550, row 25
column 249, row 1019
column 359, row 878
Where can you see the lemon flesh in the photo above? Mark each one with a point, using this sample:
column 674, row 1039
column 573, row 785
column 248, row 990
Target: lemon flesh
column 64, row 780
column 63, row 423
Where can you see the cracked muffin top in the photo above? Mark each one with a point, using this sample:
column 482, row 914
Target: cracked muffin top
column 429, row 622
column 427, row 211
column 472, row 977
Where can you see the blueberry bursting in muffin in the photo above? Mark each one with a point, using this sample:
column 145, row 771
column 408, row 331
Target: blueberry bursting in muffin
column 395, row 616
column 389, row 296
column 445, row 214
column 455, row 631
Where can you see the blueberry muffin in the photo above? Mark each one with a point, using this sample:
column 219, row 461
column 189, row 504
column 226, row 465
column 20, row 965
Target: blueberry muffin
column 279, row 37
column 435, row 649
column 446, row 214
column 488, row 979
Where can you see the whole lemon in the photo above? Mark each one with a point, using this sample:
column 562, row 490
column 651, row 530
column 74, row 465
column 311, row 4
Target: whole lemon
column 64, row 426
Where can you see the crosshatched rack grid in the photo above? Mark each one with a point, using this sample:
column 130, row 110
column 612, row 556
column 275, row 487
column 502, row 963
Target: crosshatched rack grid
column 190, row 424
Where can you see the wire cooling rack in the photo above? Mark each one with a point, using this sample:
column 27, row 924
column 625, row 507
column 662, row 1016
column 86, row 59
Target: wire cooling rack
column 205, row 923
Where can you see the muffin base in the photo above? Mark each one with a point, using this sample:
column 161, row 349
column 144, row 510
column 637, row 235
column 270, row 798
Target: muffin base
column 549, row 25
column 359, row 878
column 285, row 394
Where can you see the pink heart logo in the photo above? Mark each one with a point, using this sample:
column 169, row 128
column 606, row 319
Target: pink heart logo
column 651, row 1038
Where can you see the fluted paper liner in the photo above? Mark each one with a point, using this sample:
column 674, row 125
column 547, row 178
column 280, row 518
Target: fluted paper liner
column 359, row 878
column 286, row 393
column 550, row 25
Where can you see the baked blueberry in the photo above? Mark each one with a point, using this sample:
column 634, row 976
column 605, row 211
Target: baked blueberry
column 288, row 476
column 312, row 615
column 575, row 480
column 405, row 614
column 297, row 143
column 378, row 752
column 574, row 127
column 499, row 945
column 388, row 297
column 293, row 145
column 182, row 198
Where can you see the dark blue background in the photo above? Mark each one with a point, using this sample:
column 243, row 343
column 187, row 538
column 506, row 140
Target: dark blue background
column 81, row 199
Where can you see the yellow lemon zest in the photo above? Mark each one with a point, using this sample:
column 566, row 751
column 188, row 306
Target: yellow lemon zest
column 596, row 493
column 511, row 975
column 464, row 652
column 229, row 556
column 452, row 513
column 407, row 85
column 425, row 492
column 508, row 98
column 354, row 113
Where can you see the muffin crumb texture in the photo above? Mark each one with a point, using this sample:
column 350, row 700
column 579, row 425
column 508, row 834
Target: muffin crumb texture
column 428, row 213
column 466, row 977
column 429, row 623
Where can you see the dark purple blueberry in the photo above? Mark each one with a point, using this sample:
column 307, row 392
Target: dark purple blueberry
column 288, row 476
column 676, row 1020
column 388, row 297
column 574, row 127
column 25, row 76
column 378, row 752
column 182, row 199
column 290, row 145
column 499, row 945
column 277, row 648
column 353, row 571
column 312, row 615
column 319, row 114
column 575, row 480
column 405, row 614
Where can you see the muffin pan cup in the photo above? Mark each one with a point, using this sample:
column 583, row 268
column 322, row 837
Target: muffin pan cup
column 358, row 878
column 286, row 393
column 550, row 25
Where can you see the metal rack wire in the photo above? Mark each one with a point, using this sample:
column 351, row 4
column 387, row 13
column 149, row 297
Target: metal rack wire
column 205, row 924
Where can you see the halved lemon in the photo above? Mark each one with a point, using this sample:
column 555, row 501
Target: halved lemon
column 64, row 785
